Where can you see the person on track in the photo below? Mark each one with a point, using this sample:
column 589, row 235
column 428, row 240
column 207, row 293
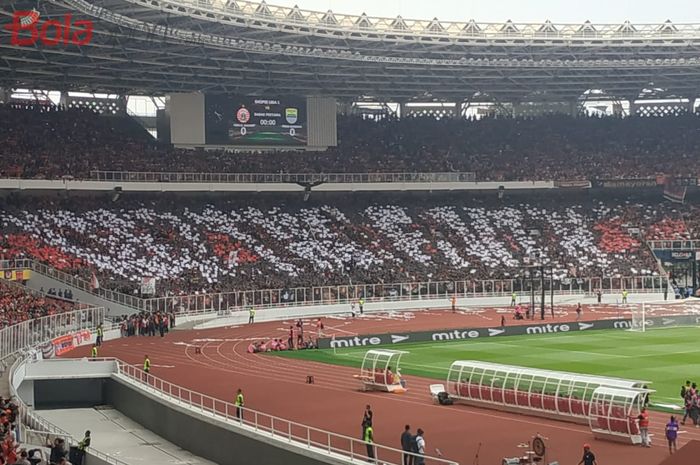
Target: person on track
column 419, row 458
column 579, row 310
column 240, row 403
column 100, row 335
column 146, row 364
column 406, row 439
column 588, row 456
column 686, row 394
column 624, row 296
column 672, row 434
column 361, row 303
column 251, row 315
column 369, row 441
column 93, row 352
column 454, row 303
column 513, row 298
column 643, row 419
column 366, row 419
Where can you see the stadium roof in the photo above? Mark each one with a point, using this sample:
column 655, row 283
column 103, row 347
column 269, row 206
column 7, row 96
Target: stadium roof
column 165, row 46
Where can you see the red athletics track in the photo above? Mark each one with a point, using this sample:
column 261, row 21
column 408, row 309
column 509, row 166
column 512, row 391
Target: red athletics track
column 277, row 386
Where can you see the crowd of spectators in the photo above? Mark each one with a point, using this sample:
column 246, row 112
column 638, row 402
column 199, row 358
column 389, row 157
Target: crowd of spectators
column 38, row 143
column 196, row 245
column 146, row 324
column 11, row 451
column 17, row 304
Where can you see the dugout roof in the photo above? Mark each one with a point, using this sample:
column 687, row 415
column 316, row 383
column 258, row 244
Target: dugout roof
column 165, row 46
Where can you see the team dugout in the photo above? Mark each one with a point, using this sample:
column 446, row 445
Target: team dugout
column 554, row 394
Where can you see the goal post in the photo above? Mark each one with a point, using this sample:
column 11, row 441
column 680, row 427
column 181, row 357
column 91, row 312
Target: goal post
column 639, row 322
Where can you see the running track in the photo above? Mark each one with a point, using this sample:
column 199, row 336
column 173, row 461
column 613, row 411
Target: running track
column 277, row 386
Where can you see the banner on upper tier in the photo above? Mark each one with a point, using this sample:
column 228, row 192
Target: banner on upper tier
column 573, row 184
column 16, row 275
column 532, row 329
column 625, row 183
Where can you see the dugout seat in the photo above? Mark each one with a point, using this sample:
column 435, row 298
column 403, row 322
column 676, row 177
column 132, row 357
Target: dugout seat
column 497, row 395
column 563, row 405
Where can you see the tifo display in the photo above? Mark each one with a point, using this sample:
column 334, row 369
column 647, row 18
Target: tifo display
column 255, row 121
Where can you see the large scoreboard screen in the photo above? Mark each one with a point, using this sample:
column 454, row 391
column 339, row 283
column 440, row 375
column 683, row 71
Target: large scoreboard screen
column 231, row 120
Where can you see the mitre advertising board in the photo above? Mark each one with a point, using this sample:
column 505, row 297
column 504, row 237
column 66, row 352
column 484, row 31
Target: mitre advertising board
column 464, row 334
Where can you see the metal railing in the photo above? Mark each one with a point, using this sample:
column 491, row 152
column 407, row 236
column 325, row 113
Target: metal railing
column 277, row 178
column 279, row 428
column 34, row 333
column 677, row 244
column 345, row 294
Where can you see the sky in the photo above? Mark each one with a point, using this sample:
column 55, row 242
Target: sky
column 558, row 11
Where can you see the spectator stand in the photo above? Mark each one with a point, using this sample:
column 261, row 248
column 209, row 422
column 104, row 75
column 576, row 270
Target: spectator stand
column 614, row 413
column 377, row 372
column 551, row 394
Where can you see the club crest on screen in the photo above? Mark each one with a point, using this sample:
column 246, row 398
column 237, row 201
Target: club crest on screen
column 291, row 115
column 243, row 115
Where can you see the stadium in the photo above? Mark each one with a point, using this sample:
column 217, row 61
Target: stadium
column 235, row 232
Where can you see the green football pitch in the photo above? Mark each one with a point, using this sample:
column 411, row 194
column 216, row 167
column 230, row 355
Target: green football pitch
column 666, row 357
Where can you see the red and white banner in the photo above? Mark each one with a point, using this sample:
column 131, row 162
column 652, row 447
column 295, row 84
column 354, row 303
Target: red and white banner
column 65, row 344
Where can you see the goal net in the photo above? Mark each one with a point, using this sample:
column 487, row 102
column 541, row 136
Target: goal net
column 638, row 317
column 653, row 315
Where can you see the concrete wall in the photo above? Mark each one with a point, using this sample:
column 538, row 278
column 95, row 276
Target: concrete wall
column 201, row 435
column 311, row 311
column 91, row 459
column 68, row 393
column 223, row 442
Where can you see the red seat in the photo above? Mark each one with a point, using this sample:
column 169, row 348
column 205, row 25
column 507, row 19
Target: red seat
column 485, row 393
column 474, row 391
column 603, row 423
column 497, row 395
column 522, row 399
column 463, row 390
column 563, row 404
column 509, row 396
column 619, row 426
column 577, row 407
column 536, row 401
column 634, row 426
column 549, row 403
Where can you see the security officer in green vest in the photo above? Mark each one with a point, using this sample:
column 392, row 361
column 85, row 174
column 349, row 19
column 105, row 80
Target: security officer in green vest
column 361, row 303
column 100, row 335
column 624, row 296
column 239, row 403
column 147, row 364
column 93, row 352
column 251, row 315
column 369, row 441
column 513, row 298
column 82, row 446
